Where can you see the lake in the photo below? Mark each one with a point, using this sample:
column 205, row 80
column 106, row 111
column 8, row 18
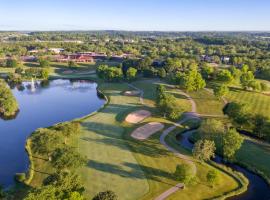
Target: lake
column 41, row 106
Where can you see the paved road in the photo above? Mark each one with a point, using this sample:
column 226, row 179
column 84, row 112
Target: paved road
column 188, row 159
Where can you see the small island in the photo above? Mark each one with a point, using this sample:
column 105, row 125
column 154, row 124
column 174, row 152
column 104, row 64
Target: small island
column 8, row 104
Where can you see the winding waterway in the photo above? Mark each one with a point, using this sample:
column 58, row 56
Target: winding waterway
column 258, row 189
column 42, row 106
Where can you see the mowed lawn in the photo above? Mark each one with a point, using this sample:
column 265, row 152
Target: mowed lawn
column 259, row 103
column 207, row 103
column 256, row 156
column 111, row 165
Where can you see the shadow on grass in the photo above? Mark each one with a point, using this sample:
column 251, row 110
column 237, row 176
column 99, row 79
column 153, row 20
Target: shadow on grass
column 132, row 171
column 113, row 136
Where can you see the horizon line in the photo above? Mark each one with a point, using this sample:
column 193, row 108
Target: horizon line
column 124, row 30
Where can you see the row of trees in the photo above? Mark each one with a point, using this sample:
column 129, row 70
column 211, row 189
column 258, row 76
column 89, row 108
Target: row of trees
column 115, row 74
column 8, row 103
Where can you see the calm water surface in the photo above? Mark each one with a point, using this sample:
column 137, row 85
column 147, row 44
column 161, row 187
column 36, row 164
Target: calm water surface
column 61, row 100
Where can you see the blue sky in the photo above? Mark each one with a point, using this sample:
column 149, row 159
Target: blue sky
column 164, row 15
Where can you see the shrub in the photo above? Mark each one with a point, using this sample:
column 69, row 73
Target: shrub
column 20, row 177
column 212, row 177
column 12, row 63
column 107, row 195
column 184, row 173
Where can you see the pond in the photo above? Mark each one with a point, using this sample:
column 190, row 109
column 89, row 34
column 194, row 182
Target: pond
column 41, row 106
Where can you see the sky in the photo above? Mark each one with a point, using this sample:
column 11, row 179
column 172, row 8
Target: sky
column 136, row 15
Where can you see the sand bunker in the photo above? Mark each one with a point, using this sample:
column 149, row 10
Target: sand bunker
column 147, row 130
column 137, row 116
column 132, row 93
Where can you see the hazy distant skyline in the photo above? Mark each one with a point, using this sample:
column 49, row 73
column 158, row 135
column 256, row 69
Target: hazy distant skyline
column 135, row 15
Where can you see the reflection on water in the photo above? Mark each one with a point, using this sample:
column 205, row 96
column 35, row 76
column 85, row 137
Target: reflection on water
column 51, row 102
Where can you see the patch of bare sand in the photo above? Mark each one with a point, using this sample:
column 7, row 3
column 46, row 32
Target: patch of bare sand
column 132, row 93
column 147, row 130
column 137, row 116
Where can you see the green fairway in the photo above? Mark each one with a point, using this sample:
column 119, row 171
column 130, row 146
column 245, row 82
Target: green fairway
column 259, row 103
column 255, row 156
column 207, row 103
column 111, row 163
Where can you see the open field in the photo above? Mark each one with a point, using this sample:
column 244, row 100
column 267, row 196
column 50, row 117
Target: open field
column 255, row 156
column 259, row 103
column 207, row 103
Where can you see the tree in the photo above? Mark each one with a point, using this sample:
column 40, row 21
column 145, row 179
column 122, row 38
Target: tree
column 45, row 141
column 101, row 70
column 162, row 73
column 19, row 70
column 246, row 78
column 150, row 72
column 42, row 193
column 239, row 113
column 107, row 195
column 184, row 173
column 221, row 91
column 207, row 71
column 264, row 87
column 212, row 177
column 68, row 129
column 145, row 63
column 211, row 129
column 71, row 64
column 255, row 85
column 236, row 73
column 204, row 150
column 43, row 62
column 192, row 80
column 61, row 185
column 65, row 182
column 44, row 74
column 67, row 158
column 8, row 103
column 172, row 64
column 224, row 76
column 167, row 104
column 260, row 122
column 131, row 74
column 12, row 63
column 111, row 74
column 232, row 142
